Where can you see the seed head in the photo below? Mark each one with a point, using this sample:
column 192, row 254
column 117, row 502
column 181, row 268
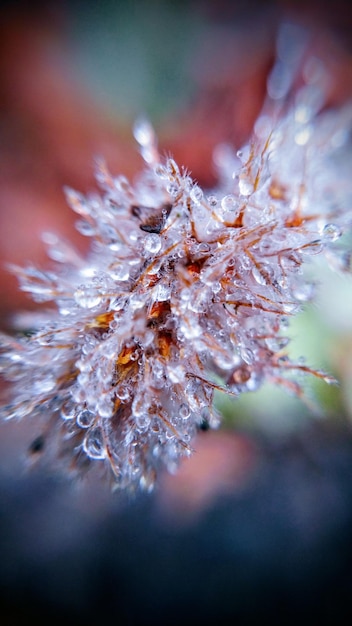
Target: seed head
column 184, row 292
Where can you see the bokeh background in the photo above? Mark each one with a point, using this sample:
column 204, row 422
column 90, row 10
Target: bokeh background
column 258, row 524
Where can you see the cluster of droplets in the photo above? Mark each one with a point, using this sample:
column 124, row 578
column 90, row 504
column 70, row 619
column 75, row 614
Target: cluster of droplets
column 184, row 292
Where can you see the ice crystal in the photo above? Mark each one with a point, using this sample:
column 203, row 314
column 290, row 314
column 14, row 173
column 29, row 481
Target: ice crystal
column 183, row 292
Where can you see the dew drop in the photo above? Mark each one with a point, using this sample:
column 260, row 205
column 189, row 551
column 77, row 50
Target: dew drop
column 172, row 167
column 203, row 248
column 68, row 410
column 290, row 308
column 229, row 203
column 163, row 293
column 122, row 184
column 304, row 292
column 147, row 482
column 85, row 418
column 247, row 355
column 331, row 232
column 120, row 273
column 243, row 154
column 161, row 172
column 196, row 194
column 87, row 297
column 302, row 136
column 117, row 304
column 105, row 406
column 245, row 262
column 136, row 302
column 184, row 411
column 123, row 394
column 143, row 132
column 212, row 200
column 152, row 243
column 262, row 275
column 330, row 380
column 245, row 186
column 93, row 444
column 172, row 189
column 313, row 248
column 275, row 344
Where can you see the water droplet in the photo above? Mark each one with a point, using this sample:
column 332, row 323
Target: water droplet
column 304, row 292
column 253, row 383
column 212, row 200
column 163, row 292
column 331, row 232
column 117, row 304
column 123, row 394
column 85, row 418
column 152, row 243
column 105, row 406
column 243, row 154
column 284, row 322
column 229, row 203
column 77, row 201
column 312, row 248
column 245, row 186
column 302, row 136
column 247, row 355
column 172, row 189
column 172, row 167
column 196, row 194
column 142, row 421
column 158, row 375
column 147, row 481
column 176, row 374
column 122, row 183
column 93, row 444
column 262, row 275
column 87, row 297
column 68, row 410
column 143, row 132
column 245, row 261
column 190, row 330
column 212, row 227
column 227, row 361
column 275, row 344
column 203, row 248
column 161, row 172
column 327, row 378
column 120, row 273
column 290, row 307
column 184, row 411
column 136, row 302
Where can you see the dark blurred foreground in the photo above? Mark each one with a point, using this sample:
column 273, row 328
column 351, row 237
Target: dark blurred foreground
column 277, row 548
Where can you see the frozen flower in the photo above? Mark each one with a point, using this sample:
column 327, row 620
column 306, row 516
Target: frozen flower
column 185, row 291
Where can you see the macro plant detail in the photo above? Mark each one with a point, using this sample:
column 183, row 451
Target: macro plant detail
column 184, row 292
